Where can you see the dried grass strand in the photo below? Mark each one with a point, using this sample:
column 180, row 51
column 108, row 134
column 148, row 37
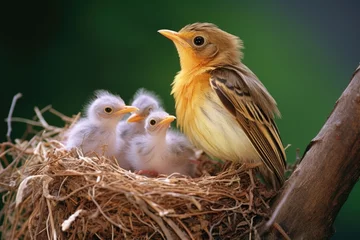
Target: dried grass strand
column 12, row 107
column 158, row 220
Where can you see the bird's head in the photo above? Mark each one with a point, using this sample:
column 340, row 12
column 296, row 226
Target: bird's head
column 146, row 102
column 158, row 122
column 107, row 108
column 204, row 44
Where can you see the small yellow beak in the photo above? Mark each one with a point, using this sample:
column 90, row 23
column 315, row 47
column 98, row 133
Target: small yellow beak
column 174, row 36
column 167, row 120
column 135, row 118
column 126, row 109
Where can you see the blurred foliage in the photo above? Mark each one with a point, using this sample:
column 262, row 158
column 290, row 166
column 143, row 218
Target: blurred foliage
column 59, row 52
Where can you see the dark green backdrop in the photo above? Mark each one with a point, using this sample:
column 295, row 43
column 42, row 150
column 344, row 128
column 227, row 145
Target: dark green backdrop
column 59, row 52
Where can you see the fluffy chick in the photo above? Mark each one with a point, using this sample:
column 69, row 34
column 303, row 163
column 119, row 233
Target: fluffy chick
column 161, row 150
column 96, row 132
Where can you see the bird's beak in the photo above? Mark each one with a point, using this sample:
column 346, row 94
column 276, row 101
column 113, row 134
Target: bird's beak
column 167, row 120
column 126, row 109
column 174, row 36
column 135, row 118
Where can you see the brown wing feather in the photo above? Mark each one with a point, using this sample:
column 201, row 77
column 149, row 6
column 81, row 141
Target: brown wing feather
column 248, row 100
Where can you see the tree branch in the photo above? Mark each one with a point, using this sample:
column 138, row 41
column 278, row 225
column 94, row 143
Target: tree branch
column 327, row 173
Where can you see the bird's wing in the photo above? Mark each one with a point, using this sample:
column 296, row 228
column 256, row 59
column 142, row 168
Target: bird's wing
column 179, row 146
column 248, row 100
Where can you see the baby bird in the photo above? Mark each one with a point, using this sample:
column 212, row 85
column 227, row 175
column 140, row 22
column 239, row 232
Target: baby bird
column 146, row 102
column 96, row 133
column 160, row 150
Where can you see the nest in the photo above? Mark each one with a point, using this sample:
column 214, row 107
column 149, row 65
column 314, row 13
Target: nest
column 51, row 193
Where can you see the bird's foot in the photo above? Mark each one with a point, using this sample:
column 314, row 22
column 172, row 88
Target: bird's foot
column 148, row 173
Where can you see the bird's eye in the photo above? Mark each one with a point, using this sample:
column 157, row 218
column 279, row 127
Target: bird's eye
column 108, row 110
column 199, row 41
column 152, row 122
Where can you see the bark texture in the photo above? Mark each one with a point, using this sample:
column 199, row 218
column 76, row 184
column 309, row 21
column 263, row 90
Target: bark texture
column 327, row 173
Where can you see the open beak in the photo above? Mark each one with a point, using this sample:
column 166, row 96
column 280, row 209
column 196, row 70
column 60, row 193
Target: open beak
column 167, row 120
column 174, row 36
column 135, row 118
column 126, row 109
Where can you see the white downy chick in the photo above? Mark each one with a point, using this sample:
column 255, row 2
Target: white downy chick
column 146, row 102
column 96, row 132
column 161, row 150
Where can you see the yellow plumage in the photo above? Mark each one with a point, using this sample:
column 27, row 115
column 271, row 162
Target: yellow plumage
column 221, row 106
column 204, row 120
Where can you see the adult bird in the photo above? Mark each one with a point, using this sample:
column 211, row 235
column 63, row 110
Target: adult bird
column 96, row 132
column 221, row 105
column 161, row 150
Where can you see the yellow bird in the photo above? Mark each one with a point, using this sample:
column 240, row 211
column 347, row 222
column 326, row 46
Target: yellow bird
column 221, row 105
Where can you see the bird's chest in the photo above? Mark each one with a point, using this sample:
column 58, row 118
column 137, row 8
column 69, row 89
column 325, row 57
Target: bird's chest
column 189, row 96
column 104, row 136
column 209, row 125
column 155, row 155
column 104, row 141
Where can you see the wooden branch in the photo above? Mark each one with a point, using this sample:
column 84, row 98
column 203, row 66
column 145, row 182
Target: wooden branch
column 315, row 192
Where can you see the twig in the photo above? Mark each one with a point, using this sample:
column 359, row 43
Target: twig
column 15, row 98
column 98, row 236
column 51, row 220
column 145, row 223
column 210, row 233
column 60, row 115
column 17, row 159
column 102, row 212
column 112, row 232
column 176, row 229
column 157, row 219
column 281, row 231
column 44, row 109
column 76, row 118
column 41, row 118
column 287, row 146
column 252, row 186
column 251, row 228
column 186, row 229
column 24, row 120
column 281, row 203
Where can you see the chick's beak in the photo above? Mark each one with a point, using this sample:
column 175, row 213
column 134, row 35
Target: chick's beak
column 135, row 118
column 167, row 120
column 174, row 36
column 126, row 109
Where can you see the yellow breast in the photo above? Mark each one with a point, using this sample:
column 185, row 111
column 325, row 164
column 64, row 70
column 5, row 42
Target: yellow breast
column 206, row 122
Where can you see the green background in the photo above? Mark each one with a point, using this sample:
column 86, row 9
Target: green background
column 59, row 52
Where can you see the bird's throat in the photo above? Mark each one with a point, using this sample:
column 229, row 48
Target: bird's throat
column 188, row 91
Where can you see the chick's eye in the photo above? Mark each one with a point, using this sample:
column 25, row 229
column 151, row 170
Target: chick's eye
column 152, row 122
column 199, row 40
column 108, row 110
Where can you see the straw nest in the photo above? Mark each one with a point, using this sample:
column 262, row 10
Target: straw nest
column 50, row 193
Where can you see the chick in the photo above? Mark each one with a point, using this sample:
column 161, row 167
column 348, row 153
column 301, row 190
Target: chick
column 96, row 132
column 146, row 102
column 161, row 150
